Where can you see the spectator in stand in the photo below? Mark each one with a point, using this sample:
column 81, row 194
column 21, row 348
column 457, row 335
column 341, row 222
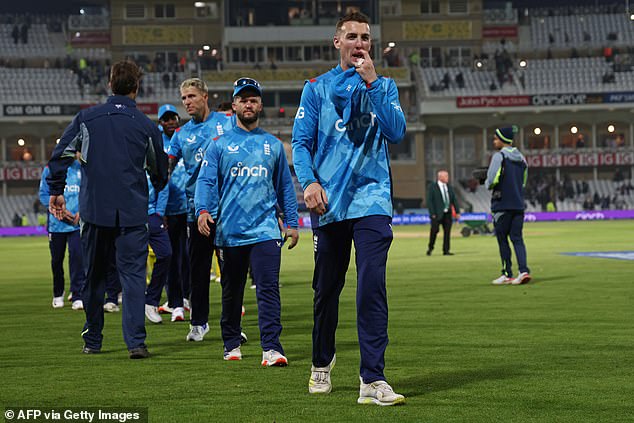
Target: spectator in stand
column 17, row 220
column 588, row 204
column 446, row 79
column 459, row 80
column 586, row 36
column 24, row 33
column 15, row 34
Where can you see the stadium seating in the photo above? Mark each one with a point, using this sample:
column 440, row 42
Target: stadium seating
column 596, row 26
column 480, row 200
column 572, row 75
column 38, row 85
column 41, row 43
column 20, row 204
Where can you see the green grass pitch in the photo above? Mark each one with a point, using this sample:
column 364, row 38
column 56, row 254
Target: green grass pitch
column 560, row 349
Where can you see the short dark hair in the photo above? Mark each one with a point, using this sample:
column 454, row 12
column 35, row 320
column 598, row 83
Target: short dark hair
column 352, row 16
column 125, row 77
column 225, row 106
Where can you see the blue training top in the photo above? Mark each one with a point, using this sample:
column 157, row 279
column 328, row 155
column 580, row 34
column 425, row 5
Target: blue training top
column 340, row 137
column 177, row 200
column 190, row 143
column 244, row 176
column 71, row 196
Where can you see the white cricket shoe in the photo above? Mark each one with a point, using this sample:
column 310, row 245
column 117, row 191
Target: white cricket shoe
column 77, row 305
column 379, row 393
column 522, row 278
column 233, row 355
column 502, row 280
column 58, row 302
column 197, row 332
column 111, row 307
column 273, row 358
column 178, row 314
column 243, row 338
column 165, row 308
column 319, row 382
column 186, row 305
column 151, row 312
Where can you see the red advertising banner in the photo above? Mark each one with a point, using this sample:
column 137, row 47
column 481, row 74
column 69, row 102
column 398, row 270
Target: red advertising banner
column 499, row 31
column 147, row 108
column 81, row 38
column 589, row 159
column 18, row 173
column 493, row 101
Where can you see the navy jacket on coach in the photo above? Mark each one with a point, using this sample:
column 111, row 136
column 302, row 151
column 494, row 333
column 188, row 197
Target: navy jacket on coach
column 118, row 144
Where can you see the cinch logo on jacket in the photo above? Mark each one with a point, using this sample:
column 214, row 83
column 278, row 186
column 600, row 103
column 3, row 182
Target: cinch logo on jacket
column 241, row 171
column 363, row 121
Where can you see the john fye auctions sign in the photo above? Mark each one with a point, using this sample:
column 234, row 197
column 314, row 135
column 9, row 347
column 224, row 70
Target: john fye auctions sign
column 40, row 109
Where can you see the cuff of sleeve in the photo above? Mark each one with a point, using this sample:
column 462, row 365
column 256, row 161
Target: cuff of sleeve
column 171, row 156
column 305, row 185
column 374, row 84
column 203, row 212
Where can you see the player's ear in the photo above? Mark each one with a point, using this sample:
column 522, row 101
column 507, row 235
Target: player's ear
column 336, row 41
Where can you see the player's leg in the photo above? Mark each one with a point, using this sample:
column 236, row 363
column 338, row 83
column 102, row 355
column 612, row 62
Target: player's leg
column 517, row 225
column 97, row 248
column 265, row 265
column 332, row 245
column 433, row 233
column 234, row 262
column 76, row 266
column 446, row 232
column 502, row 223
column 57, row 246
column 160, row 243
column 131, row 251
column 372, row 240
column 200, row 252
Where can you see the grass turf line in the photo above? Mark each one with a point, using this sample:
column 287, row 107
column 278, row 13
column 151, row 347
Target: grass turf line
column 557, row 349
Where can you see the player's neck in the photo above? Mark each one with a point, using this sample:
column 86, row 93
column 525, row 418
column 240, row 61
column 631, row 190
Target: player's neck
column 203, row 117
column 247, row 127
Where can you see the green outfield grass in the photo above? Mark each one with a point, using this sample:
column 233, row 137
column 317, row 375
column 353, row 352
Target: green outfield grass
column 560, row 349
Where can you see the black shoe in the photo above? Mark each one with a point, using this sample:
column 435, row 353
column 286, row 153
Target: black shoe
column 429, row 252
column 447, row 254
column 88, row 350
column 140, row 352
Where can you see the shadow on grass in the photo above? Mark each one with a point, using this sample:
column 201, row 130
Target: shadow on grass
column 445, row 381
column 538, row 280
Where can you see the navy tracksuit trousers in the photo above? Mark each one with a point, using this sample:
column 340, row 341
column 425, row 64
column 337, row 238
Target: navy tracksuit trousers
column 509, row 224
column 372, row 236
column 57, row 244
column 113, row 284
column 129, row 245
column 264, row 259
column 160, row 242
column 178, row 277
column 200, row 249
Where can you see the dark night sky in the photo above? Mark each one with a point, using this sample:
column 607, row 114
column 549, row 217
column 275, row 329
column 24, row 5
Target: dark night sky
column 48, row 6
